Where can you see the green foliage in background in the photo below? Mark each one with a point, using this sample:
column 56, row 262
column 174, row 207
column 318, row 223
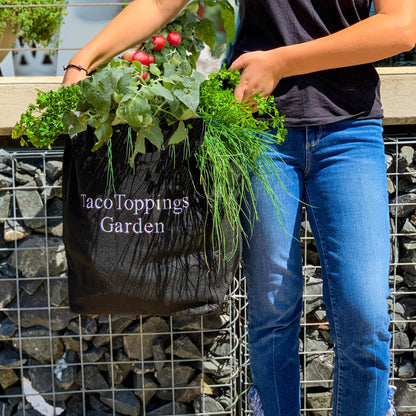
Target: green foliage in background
column 33, row 24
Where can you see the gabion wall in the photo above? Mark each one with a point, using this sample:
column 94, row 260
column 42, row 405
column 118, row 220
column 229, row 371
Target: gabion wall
column 55, row 362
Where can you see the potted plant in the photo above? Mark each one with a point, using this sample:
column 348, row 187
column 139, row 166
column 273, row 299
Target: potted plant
column 38, row 25
column 156, row 96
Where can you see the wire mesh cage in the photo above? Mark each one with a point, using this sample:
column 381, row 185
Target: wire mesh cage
column 54, row 362
column 316, row 350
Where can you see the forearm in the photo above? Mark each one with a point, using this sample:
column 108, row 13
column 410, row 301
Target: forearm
column 370, row 40
column 133, row 25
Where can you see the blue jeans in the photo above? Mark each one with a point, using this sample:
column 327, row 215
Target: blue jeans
column 338, row 171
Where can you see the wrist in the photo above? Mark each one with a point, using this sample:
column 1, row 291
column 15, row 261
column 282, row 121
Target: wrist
column 76, row 67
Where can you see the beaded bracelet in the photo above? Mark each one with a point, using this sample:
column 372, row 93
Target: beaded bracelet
column 79, row 67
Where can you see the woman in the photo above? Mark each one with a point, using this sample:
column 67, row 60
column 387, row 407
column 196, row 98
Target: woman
column 314, row 58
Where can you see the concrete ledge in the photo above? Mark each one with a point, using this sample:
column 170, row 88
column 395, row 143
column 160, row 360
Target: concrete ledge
column 398, row 94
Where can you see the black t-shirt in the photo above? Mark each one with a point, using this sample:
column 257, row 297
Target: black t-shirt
column 321, row 97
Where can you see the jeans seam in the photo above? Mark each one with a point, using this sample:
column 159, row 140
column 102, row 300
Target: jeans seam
column 324, row 265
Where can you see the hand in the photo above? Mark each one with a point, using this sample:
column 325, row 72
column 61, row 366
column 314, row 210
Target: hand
column 128, row 55
column 260, row 72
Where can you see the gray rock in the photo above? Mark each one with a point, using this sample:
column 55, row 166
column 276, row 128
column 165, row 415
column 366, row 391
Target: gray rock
column 5, row 157
column 403, row 205
column 405, row 397
column 93, row 354
column 15, row 230
column 401, row 343
column 318, row 402
column 93, row 379
column 139, row 339
column 159, row 355
column 6, row 169
column 169, row 409
column 33, row 311
column 54, row 220
column 32, row 256
column 406, row 369
column 145, row 387
column 41, row 380
column 72, row 342
column 10, row 358
column 183, row 347
column 205, row 405
column 7, row 329
column 221, row 346
column 315, row 342
column 28, row 168
column 30, row 205
column 66, row 369
column 35, row 342
column 5, row 205
column 313, row 293
column 123, row 402
column 84, row 325
column 7, row 291
column 120, row 368
column 217, row 367
column 5, row 181
column 319, row 371
column 180, row 374
column 58, row 288
column 53, row 169
column 8, row 377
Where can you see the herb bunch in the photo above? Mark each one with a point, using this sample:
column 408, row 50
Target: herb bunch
column 42, row 123
column 235, row 148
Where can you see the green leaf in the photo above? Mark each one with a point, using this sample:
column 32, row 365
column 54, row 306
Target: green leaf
column 205, row 30
column 159, row 90
column 179, row 135
column 72, row 124
column 154, row 135
column 133, row 109
column 229, row 23
column 189, row 97
column 154, row 70
column 139, row 146
column 104, row 131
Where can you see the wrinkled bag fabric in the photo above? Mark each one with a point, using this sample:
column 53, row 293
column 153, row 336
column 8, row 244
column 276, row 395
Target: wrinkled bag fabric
column 144, row 246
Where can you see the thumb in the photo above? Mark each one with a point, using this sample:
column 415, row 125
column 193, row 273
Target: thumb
column 238, row 65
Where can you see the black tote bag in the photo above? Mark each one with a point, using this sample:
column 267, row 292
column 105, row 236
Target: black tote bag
column 144, row 246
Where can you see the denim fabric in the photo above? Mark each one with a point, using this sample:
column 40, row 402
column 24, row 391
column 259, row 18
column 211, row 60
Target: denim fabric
column 338, row 172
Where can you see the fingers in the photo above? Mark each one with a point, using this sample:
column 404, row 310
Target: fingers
column 128, row 55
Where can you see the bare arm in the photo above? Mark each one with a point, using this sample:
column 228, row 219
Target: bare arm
column 133, row 25
column 390, row 31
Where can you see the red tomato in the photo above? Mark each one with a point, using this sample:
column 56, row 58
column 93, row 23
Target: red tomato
column 151, row 59
column 174, row 38
column 159, row 42
column 142, row 57
column 143, row 76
